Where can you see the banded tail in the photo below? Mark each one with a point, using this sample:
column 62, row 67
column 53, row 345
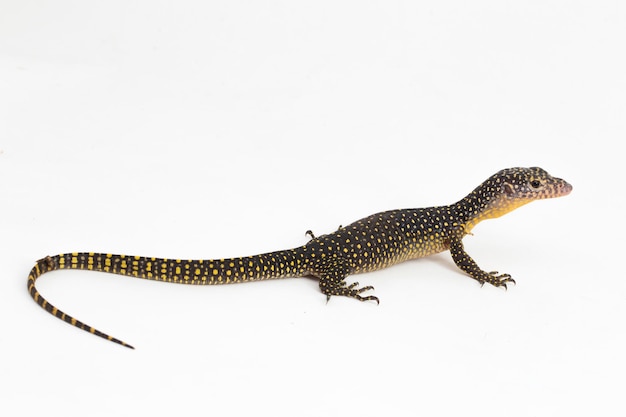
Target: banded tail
column 280, row 264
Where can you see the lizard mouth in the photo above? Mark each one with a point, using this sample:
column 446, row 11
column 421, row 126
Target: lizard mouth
column 564, row 188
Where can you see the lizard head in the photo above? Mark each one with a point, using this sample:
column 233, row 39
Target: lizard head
column 509, row 189
column 529, row 184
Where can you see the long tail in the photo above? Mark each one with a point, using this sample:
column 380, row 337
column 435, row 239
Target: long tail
column 50, row 264
column 281, row 264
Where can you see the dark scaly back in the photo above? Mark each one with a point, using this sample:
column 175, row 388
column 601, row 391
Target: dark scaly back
column 384, row 239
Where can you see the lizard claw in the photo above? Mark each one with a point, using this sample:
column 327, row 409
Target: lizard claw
column 368, row 298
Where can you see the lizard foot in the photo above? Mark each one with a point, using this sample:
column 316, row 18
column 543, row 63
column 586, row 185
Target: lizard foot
column 351, row 291
column 499, row 280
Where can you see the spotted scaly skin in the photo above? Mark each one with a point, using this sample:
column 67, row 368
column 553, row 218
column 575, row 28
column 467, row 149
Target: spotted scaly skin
column 372, row 243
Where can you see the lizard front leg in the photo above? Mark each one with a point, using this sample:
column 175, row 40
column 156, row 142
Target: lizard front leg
column 468, row 265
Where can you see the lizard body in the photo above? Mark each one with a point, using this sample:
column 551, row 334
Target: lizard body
column 372, row 243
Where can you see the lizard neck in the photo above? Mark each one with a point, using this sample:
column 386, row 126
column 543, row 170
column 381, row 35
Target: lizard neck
column 479, row 206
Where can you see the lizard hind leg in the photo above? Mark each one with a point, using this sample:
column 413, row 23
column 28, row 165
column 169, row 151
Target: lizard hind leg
column 332, row 282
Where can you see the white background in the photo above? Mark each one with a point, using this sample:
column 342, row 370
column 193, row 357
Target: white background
column 195, row 129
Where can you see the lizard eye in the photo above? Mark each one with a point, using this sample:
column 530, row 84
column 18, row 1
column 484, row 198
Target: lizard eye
column 535, row 184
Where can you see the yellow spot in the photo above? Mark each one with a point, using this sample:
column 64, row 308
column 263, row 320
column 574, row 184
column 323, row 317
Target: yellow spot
column 198, row 271
column 177, row 270
column 215, row 272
